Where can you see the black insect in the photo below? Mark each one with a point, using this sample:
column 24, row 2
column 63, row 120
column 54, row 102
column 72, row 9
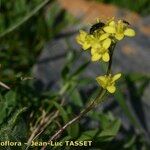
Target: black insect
column 124, row 21
column 96, row 27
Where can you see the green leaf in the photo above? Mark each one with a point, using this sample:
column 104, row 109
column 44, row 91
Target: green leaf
column 143, row 86
column 7, row 105
column 86, row 81
column 73, row 130
column 130, row 142
column 10, row 98
column 71, row 57
column 66, row 138
column 8, row 129
column 24, row 19
column 76, row 98
column 135, row 93
column 16, row 116
column 69, row 62
column 112, row 130
column 81, row 69
column 104, row 119
column 109, row 126
column 63, row 113
column 65, row 72
column 122, row 102
column 137, row 77
column 88, row 135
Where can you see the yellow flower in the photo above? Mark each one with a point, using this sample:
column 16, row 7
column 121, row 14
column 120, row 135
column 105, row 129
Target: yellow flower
column 118, row 29
column 108, row 82
column 100, row 50
column 84, row 39
column 104, row 36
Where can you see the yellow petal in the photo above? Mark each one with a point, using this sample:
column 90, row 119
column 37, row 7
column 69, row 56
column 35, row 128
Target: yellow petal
column 109, row 29
column 96, row 45
column 96, row 57
column 78, row 39
column 93, row 51
column 104, row 36
column 102, row 80
column 86, row 45
column 105, row 57
column 112, row 23
column 106, row 43
column 129, row 32
column 116, row 77
column 81, row 37
column 119, row 36
column 83, row 33
column 111, row 88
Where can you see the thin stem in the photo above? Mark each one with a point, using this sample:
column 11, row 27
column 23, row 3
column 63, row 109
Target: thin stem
column 90, row 105
column 111, row 56
column 45, row 121
column 41, row 128
column 4, row 85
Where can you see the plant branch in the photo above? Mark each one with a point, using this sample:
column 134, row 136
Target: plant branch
column 4, row 85
column 89, row 107
column 111, row 56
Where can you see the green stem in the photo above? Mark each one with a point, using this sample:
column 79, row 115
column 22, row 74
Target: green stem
column 89, row 106
column 111, row 56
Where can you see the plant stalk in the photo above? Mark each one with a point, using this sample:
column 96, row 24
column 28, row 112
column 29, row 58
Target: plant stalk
column 89, row 106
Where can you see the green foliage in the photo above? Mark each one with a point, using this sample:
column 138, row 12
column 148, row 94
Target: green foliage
column 107, row 131
column 25, row 107
column 7, row 105
column 139, row 6
column 20, row 52
column 14, row 128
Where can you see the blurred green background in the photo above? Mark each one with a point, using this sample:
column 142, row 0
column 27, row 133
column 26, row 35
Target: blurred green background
column 25, row 27
column 140, row 6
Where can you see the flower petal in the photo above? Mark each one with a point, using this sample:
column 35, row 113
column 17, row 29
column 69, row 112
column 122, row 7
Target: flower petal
column 86, row 45
column 105, row 57
column 129, row 32
column 104, row 36
column 112, row 23
column 96, row 45
column 106, row 43
column 95, row 57
column 119, row 36
column 102, row 80
column 78, row 39
column 109, row 29
column 111, row 88
column 116, row 77
column 93, row 51
column 81, row 36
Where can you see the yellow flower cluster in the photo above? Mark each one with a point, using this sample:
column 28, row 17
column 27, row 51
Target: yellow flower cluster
column 99, row 45
column 100, row 41
column 118, row 29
